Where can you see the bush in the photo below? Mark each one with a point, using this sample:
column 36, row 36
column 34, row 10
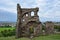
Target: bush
column 31, row 29
column 43, row 27
column 1, row 35
column 57, row 27
column 6, row 33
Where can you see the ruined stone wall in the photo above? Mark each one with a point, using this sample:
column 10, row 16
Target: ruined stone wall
column 49, row 28
column 25, row 21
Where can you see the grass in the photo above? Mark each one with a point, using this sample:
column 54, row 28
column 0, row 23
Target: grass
column 50, row 37
column 2, row 29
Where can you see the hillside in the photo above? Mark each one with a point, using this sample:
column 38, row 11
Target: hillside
column 7, row 16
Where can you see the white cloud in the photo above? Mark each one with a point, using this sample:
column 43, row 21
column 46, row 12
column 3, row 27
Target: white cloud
column 47, row 8
column 12, row 10
column 8, row 5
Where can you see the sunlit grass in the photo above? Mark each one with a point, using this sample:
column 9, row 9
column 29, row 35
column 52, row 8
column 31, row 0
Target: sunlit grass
column 49, row 37
column 2, row 29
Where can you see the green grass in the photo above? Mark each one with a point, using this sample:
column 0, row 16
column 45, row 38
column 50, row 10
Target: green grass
column 2, row 29
column 50, row 37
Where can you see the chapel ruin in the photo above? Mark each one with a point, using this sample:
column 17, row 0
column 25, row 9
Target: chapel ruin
column 28, row 25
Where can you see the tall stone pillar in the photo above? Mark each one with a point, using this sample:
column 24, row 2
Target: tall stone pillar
column 18, row 29
column 35, row 13
column 29, row 14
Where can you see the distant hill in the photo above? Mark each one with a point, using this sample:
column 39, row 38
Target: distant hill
column 6, row 23
column 7, row 16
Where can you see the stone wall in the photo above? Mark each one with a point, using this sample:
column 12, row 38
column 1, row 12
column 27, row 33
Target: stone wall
column 28, row 25
column 25, row 21
column 49, row 28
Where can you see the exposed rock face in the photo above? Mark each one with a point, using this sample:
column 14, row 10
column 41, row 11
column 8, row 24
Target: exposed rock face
column 27, row 24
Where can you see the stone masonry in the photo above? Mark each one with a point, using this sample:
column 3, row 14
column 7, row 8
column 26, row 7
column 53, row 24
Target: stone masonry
column 49, row 27
column 28, row 25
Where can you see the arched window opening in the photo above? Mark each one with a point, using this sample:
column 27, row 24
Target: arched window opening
column 32, row 13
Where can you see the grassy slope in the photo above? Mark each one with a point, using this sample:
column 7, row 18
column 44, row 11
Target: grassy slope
column 50, row 37
column 2, row 29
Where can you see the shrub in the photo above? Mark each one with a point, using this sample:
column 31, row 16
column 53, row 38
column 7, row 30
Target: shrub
column 1, row 35
column 6, row 33
column 57, row 27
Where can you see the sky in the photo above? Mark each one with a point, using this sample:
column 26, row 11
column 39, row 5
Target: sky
column 49, row 10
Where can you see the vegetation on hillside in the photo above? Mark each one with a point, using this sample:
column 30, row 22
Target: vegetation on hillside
column 49, row 37
column 7, row 31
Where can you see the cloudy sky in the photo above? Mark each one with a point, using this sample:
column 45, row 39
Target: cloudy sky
column 49, row 10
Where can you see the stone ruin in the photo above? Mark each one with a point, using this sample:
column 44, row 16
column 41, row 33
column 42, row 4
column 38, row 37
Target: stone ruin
column 28, row 25
column 49, row 27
